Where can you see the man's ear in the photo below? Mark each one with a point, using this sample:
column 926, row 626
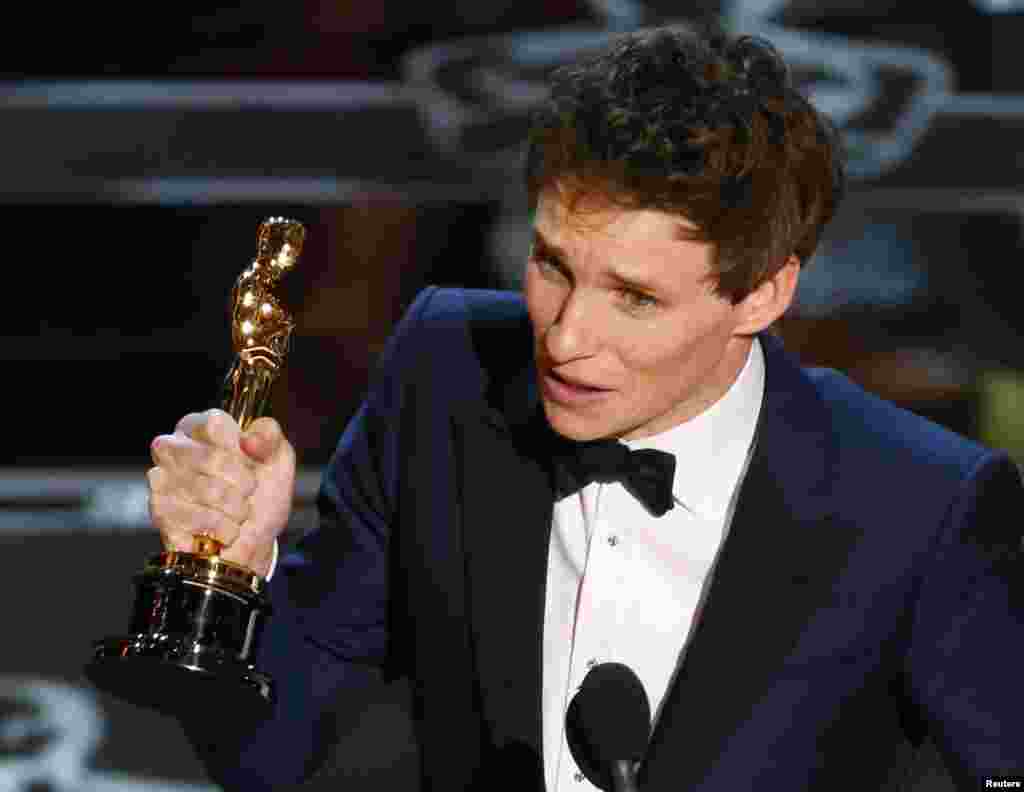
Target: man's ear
column 769, row 301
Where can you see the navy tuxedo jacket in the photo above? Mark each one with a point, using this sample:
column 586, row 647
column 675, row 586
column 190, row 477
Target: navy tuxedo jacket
column 870, row 591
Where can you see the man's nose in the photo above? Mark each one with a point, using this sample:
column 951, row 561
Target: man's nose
column 573, row 333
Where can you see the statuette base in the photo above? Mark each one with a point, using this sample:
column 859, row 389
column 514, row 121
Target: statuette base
column 195, row 623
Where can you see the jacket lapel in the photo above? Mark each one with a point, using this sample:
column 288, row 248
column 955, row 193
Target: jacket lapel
column 778, row 560
column 507, row 501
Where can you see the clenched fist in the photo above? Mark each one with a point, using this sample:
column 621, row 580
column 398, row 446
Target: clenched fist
column 212, row 479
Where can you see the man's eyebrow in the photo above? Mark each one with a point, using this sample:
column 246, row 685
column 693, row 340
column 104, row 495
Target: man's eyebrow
column 633, row 283
column 542, row 245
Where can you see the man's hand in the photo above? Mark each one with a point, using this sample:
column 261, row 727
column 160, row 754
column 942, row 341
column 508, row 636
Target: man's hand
column 212, row 479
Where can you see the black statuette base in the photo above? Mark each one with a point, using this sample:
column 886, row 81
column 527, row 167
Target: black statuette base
column 190, row 646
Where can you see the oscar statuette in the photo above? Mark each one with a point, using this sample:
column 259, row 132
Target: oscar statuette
column 197, row 619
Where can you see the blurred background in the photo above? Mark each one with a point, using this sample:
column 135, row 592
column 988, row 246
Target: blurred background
column 140, row 147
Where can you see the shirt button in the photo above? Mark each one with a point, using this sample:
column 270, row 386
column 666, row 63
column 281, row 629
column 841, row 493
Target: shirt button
column 578, row 777
column 613, row 540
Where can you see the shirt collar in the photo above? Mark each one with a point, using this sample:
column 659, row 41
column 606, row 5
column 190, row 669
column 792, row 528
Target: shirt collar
column 711, row 449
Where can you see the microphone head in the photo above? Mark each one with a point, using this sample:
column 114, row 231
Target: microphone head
column 608, row 719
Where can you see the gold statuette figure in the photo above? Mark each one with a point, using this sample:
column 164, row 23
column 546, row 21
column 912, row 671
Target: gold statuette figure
column 197, row 618
column 260, row 327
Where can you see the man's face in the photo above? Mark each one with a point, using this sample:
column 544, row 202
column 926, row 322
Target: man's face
column 630, row 338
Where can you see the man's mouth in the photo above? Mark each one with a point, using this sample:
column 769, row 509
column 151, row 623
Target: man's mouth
column 573, row 383
column 562, row 389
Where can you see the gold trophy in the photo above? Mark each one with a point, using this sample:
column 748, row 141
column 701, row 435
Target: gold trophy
column 197, row 618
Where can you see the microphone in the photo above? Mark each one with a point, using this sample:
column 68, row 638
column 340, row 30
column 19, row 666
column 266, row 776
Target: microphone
column 607, row 726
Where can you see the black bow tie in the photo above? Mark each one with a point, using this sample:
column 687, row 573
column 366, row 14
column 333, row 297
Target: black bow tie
column 646, row 473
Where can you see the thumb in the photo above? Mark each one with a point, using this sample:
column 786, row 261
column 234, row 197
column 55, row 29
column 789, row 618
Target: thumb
column 262, row 440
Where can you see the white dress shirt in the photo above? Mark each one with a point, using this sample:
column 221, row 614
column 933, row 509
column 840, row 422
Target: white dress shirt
column 624, row 586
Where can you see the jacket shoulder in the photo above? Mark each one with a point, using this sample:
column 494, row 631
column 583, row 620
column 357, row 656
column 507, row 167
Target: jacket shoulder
column 469, row 333
column 477, row 308
column 881, row 433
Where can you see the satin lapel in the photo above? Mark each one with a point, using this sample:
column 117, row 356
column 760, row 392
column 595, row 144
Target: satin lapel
column 507, row 502
column 778, row 560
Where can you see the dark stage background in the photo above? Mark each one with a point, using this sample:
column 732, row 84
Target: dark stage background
column 140, row 148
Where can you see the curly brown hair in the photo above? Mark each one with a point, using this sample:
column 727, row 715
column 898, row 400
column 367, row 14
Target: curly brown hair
column 706, row 126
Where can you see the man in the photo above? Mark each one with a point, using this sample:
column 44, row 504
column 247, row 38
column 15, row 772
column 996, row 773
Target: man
column 819, row 578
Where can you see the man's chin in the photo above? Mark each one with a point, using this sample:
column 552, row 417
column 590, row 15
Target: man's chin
column 573, row 426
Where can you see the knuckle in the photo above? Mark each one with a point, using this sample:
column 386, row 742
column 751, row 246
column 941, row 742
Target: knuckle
column 156, row 478
column 228, row 498
column 220, row 463
column 247, row 483
column 205, row 457
column 220, row 428
column 155, row 516
column 214, row 423
column 180, row 456
column 241, row 508
column 213, row 491
column 157, row 503
column 187, row 422
column 224, row 497
column 160, row 448
column 244, row 480
column 228, row 466
column 160, row 513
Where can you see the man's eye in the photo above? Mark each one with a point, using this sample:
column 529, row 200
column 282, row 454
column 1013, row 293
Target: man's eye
column 636, row 299
column 546, row 262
